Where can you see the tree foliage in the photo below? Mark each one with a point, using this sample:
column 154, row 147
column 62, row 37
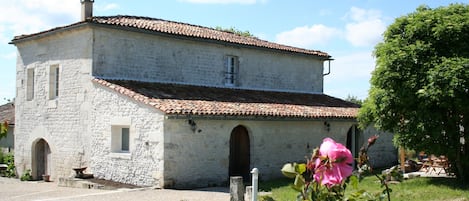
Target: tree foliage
column 420, row 87
column 3, row 129
column 235, row 31
column 354, row 99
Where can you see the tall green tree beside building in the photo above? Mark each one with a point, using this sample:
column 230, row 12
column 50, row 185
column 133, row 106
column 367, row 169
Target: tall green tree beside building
column 420, row 87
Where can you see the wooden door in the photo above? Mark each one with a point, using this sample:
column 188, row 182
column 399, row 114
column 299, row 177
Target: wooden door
column 240, row 153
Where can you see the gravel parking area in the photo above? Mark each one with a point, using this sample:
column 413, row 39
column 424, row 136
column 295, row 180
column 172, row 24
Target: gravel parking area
column 15, row 190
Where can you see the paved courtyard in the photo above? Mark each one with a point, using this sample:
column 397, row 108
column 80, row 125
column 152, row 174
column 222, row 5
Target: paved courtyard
column 15, row 190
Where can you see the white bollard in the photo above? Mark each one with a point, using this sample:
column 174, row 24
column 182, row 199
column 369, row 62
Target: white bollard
column 255, row 180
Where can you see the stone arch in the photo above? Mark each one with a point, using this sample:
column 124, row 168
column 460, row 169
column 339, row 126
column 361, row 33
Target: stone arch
column 41, row 158
column 240, row 153
column 354, row 140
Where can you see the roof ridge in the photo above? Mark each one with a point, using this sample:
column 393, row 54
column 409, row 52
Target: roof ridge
column 252, row 41
column 165, row 20
column 181, row 29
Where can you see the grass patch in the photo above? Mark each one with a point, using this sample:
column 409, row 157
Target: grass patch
column 428, row 189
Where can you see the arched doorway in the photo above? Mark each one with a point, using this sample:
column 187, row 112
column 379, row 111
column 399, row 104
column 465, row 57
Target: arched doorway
column 41, row 159
column 240, row 155
column 353, row 141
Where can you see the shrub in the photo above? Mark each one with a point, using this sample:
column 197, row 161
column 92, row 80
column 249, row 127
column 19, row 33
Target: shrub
column 26, row 176
column 10, row 161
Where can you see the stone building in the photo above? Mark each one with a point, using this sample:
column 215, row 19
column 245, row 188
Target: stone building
column 159, row 103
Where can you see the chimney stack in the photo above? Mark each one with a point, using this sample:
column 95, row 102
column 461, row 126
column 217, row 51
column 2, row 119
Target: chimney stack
column 86, row 9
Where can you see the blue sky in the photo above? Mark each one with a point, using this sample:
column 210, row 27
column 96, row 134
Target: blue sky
column 346, row 29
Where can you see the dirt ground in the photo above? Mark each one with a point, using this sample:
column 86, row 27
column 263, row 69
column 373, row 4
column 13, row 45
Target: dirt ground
column 16, row 190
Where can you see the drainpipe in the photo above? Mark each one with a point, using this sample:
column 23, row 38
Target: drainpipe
column 329, row 67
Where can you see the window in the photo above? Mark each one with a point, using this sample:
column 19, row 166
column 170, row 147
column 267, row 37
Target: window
column 125, row 139
column 54, row 82
column 120, row 139
column 231, row 64
column 30, row 84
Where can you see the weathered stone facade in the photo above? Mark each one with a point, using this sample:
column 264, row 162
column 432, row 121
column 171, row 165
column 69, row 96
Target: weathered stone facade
column 77, row 128
column 62, row 122
column 146, row 57
column 382, row 153
column 202, row 158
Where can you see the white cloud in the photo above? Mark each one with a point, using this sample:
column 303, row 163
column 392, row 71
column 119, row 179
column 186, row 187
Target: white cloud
column 307, row 37
column 366, row 27
column 350, row 75
column 366, row 33
column 111, row 6
column 353, row 66
column 225, row 1
column 358, row 14
column 7, row 88
column 28, row 16
column 11, row 55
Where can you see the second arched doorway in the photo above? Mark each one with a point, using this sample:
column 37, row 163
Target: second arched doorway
column 41, row 159
column 240, row 155
column 353, row 141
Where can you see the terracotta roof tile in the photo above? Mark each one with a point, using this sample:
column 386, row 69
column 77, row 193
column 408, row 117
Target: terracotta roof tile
column 174, row 99
column 182, row 29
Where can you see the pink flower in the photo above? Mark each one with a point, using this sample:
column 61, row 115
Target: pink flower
column 333, row 164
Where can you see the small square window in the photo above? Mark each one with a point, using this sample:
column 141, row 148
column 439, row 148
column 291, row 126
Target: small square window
column 120, row 139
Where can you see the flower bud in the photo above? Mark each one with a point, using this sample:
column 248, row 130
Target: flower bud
column 372, row 140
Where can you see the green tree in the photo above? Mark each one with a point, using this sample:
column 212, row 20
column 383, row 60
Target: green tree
column 3, row 129
column 235, row 31
column 354, row 99
column 420, row 87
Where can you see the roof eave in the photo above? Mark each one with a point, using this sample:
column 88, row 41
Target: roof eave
column 258, row 117
column 23, row 38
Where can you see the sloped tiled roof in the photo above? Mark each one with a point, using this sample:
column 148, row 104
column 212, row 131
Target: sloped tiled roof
column 182, row 29
column 7, row 113
column 174, row 99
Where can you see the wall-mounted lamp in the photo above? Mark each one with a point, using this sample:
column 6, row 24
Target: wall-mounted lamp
column 327, row 126
column 192, row 124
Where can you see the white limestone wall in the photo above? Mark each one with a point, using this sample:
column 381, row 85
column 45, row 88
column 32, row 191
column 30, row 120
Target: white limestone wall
column 139, row 56
column 143, row 165
column 383, row 153
column 195, row 159
column 59, row 122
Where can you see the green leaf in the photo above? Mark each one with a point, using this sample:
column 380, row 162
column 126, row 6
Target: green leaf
column 289, row 170
column 300, row 168
column 354, row 181
column 299, row 182
column 3, row 129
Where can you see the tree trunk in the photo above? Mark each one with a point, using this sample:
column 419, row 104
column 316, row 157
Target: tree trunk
column 461, row 167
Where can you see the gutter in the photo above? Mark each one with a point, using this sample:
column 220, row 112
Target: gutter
column 255, row 118
column 329, row 67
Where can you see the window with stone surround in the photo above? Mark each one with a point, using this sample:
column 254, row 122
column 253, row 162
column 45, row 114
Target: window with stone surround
column 30, row 84
column 232, row 65
column 54, row 81
column 120, row 139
